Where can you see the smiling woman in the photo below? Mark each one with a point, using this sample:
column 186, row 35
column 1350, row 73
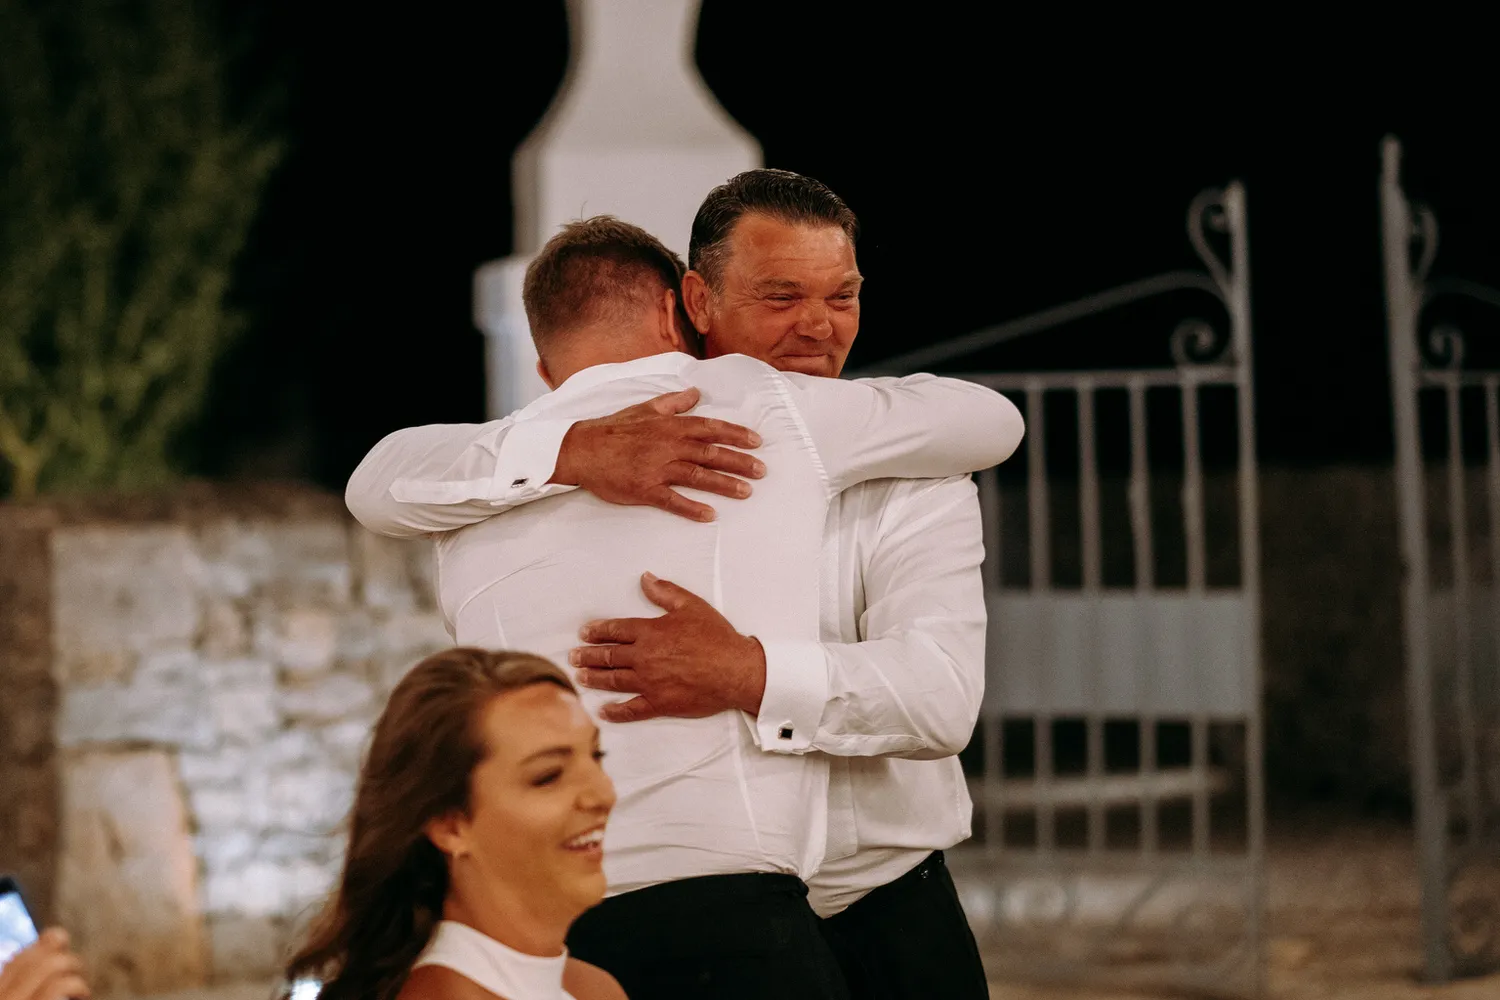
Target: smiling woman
column 475, row 841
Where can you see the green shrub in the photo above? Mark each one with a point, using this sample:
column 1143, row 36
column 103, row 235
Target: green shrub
column 128, row 184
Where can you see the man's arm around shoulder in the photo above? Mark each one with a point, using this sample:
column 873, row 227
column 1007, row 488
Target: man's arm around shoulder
column 916, row 427
column 441, row 477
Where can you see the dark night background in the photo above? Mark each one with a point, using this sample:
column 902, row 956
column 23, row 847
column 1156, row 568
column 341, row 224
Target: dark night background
column 998, row 166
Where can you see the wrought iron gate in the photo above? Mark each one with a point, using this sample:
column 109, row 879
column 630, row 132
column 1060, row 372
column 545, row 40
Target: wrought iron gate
column 1117, row 767
column 1446, row 394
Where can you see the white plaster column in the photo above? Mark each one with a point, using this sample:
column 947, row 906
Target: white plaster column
column 633, row 132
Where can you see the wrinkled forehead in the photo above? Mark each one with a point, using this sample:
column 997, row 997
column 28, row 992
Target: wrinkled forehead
column 763, row 248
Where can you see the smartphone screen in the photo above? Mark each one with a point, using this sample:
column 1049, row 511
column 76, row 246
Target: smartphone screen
column 16, row 928
column 305, row 989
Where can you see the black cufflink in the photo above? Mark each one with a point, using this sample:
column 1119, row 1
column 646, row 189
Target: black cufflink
column 514, row 483
column 785, row 732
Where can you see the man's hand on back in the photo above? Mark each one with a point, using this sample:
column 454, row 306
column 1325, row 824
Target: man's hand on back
column 688, row 663
column 636, row 456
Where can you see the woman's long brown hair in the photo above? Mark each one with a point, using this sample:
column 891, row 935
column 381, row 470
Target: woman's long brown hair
column 425, row 748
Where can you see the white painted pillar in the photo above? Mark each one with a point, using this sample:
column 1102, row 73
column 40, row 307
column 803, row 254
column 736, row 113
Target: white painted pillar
column 633, row 132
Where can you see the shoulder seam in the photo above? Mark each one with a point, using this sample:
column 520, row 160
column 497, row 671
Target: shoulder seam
column 780, row 388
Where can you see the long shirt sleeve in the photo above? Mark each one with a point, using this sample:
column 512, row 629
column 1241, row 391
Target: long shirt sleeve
column 916, row 427
column 909, row 684
column 440, row 477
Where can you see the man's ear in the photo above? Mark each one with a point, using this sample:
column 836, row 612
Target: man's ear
column 695, row 300
column 449, row 834
column 541, row 369
column 669, row 323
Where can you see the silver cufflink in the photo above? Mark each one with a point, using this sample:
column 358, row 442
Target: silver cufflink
column 514, row 483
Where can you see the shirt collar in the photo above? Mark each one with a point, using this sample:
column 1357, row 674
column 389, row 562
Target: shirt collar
column 667, row 363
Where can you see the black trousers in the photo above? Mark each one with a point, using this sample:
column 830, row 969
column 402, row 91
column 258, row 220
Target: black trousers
column 909, row 940
column 726, row 937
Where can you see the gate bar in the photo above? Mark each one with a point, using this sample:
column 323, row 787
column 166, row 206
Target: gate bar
column 1036, row 490
column 1404, row 298
column 1458, row 546
column 1492, row 435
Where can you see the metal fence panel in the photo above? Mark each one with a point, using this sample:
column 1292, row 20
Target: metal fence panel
column 1450, row 615
column 1119, row 654
column 1116, row 769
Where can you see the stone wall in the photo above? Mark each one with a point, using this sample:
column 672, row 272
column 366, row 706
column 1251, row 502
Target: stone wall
column 188, row 688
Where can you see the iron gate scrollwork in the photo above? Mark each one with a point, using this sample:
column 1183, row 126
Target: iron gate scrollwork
column 1446, row 397
column 1118, row 787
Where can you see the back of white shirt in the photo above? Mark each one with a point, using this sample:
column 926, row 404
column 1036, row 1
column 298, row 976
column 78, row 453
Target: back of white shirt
column 696, row 796
column 701, row 796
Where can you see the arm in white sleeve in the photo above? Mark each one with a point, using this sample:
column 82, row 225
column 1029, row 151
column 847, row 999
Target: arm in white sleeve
column 916, row 427
column 445, row 476
column 912, row 687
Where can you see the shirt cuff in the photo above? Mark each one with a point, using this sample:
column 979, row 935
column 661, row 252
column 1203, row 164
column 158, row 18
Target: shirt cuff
column 796, row 693
column 526, row 460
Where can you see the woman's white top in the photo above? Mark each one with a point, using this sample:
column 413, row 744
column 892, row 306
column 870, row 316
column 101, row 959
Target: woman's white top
column 503, row 971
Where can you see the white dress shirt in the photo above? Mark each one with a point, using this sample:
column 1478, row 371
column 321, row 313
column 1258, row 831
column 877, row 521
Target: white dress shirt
column 696, row 796
column 904, row 632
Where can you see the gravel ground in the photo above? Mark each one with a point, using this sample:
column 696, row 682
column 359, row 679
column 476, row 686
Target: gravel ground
column 1342, row 921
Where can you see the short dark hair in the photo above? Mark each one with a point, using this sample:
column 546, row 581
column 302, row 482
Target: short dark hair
column 781, row 194
column 594, row 269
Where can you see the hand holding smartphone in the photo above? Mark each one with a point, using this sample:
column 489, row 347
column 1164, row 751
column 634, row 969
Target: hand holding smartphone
column 16, row 929
column 33, row 966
